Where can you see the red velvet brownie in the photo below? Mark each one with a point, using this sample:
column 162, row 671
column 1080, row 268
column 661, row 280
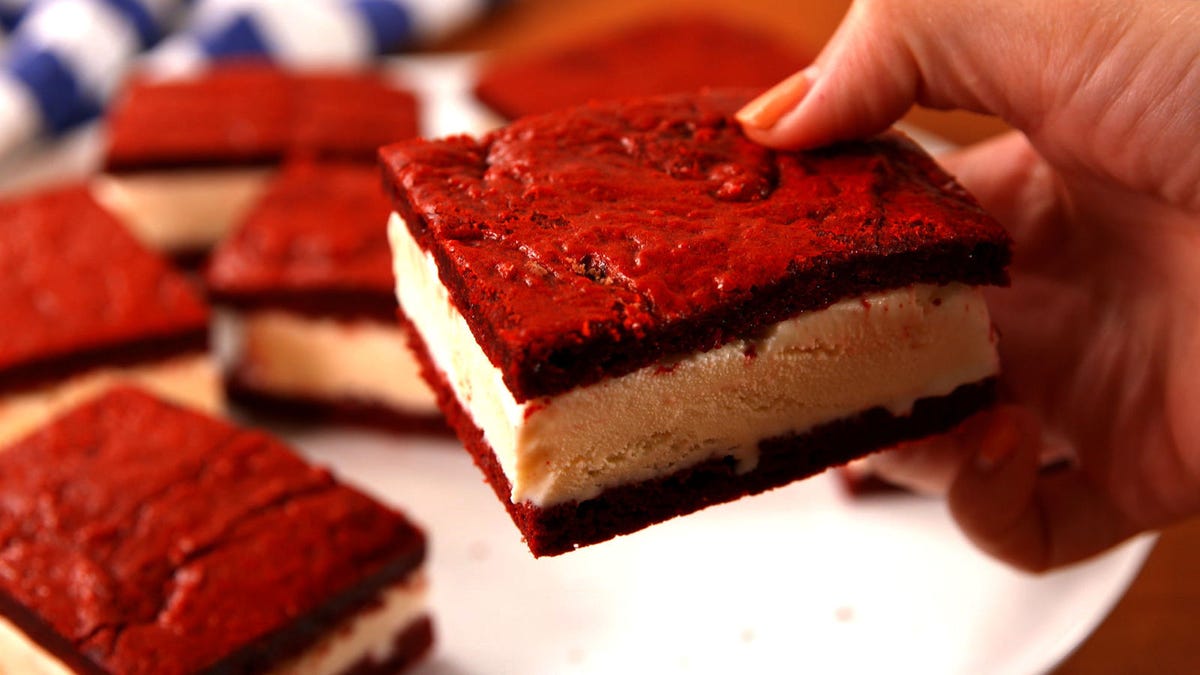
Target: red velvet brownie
column 308, row 281
column 85, row 305
column 187, row 157
column 664, row 56
column 138, row 537
column 630, row 311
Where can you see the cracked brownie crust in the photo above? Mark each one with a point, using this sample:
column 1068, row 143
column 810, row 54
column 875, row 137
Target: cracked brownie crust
column 586, row 215
column 136, row 537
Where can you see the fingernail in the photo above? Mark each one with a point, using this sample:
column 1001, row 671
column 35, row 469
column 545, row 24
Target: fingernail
column 764, row 111
column 998, row 442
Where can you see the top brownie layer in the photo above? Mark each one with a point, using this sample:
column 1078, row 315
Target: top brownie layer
column 137, row 537
column 591, row 242
column 78, row 290
column 256, row 114
column 665, row 56
column 315, row 243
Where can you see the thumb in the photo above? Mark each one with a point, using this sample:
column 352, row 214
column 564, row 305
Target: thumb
column 865, row 78
column 1066, row 73
column 1000, row 58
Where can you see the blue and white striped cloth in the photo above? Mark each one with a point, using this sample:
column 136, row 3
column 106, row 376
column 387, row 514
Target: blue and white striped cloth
column 62, row 60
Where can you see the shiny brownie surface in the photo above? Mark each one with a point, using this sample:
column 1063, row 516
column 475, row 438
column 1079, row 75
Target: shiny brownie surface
column 588, row 243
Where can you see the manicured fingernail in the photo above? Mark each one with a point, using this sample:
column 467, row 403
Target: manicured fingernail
column 764, row 111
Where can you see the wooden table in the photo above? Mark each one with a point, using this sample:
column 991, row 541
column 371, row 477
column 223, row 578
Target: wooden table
column 1154, row 627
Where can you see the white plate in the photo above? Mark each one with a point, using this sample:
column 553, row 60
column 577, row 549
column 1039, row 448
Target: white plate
column 801, row 579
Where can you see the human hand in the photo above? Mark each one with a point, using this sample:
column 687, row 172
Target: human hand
column 1100, row 189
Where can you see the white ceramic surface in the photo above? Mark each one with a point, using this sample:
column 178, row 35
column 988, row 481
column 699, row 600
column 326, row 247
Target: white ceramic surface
column 798, row 580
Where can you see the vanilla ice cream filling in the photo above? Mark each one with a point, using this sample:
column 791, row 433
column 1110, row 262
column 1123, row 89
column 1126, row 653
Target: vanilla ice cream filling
column 191, row 380
column 329, row 359
column 19, row 654
column 886, row 350
column 182, row 210
column 369, row 636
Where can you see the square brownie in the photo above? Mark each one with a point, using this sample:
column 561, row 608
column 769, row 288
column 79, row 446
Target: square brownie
column 87, row 306
column 630, row 311
column 308, row 285
column 139, row 537
column 186, row 157
column 665, row 55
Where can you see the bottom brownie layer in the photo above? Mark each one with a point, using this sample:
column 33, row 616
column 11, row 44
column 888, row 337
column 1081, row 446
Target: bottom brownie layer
column 628, row 508
column 305, row 410
column 407, row 649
